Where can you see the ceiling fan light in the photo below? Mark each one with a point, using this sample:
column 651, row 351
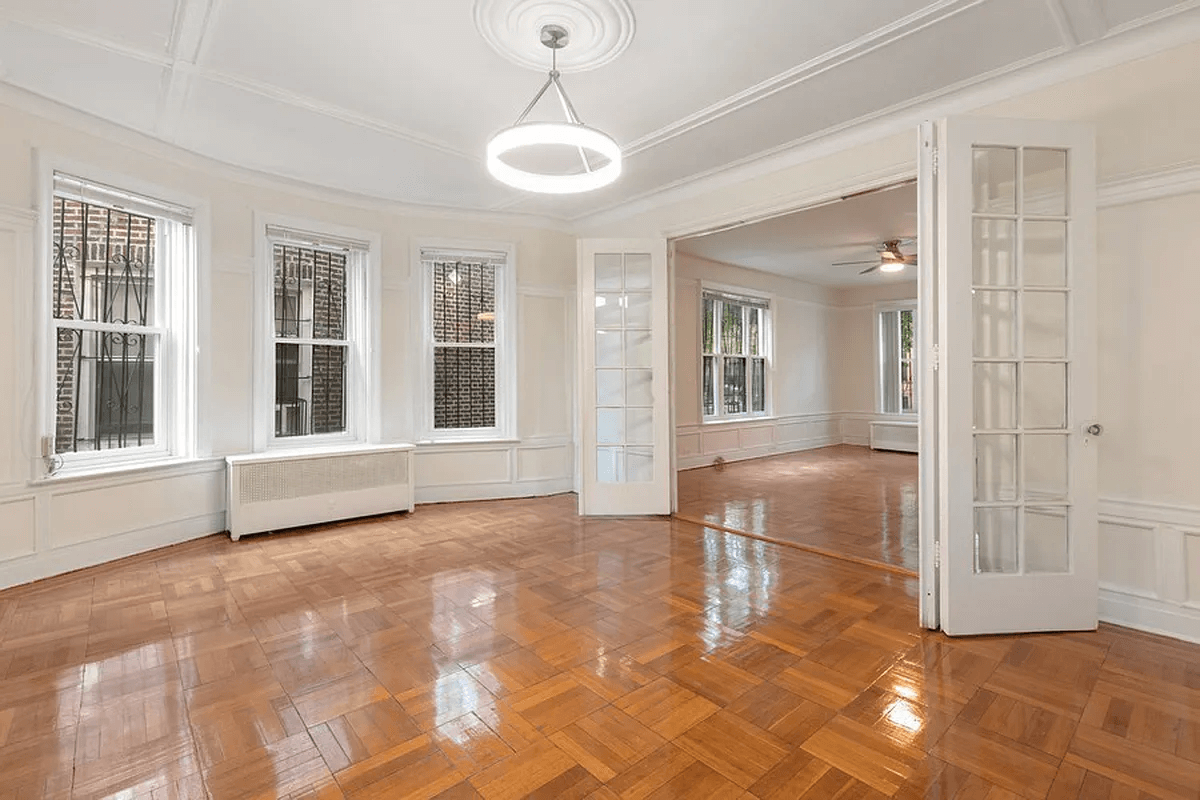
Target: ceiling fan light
column 535, row 134
column 891, row 266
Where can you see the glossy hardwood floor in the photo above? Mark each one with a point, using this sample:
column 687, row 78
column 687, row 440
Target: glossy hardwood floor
column 850, row 501
column 512, row 650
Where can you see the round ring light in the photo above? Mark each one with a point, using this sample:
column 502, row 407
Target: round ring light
column 569, row 134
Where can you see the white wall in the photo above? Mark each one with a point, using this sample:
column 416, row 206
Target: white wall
column 854, row 355
column 48, row 526
column 1149, row 395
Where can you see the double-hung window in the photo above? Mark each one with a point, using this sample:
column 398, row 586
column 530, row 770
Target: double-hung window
column 734, row 355
column 897, row 377
column 318, row 328
column 469, row 332
column 121, row 302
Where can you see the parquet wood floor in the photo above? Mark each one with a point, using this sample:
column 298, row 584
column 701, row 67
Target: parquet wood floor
column 512, row 650
column 849, row 501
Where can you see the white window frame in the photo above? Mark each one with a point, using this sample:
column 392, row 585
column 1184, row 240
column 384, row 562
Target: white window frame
column 768, row 353
column 878, row 311
column 362, row 397
column 505, row 429
column 182, row 224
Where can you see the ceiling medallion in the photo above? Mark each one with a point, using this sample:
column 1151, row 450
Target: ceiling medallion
column 599, row 30
column 572, row 133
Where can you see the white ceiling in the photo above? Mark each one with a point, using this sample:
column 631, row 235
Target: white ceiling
column 396, row 100
column 806, row 244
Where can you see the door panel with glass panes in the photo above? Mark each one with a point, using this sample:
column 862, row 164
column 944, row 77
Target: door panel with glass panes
column 624, row 378
column 1018, row 376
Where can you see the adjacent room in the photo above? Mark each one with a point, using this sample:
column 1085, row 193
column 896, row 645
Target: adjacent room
column 796, row 391
column 598, row 399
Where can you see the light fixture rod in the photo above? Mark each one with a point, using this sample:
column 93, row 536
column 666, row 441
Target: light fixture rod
column 541, row 93
column 568, row 106
column 569, row 110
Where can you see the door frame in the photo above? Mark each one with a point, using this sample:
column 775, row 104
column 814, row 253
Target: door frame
column 927, row 413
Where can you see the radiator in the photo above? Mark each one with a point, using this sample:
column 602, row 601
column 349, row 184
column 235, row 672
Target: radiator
column 273, row 491
column 900, row 436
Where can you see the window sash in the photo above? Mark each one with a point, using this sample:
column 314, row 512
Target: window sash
column 731, row 365
column 116, row 380
column 500, row 332
column 289, row 412
column 895, row 362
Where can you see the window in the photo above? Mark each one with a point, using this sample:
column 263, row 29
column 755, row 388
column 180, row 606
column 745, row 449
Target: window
column 317, row 331
column 897, row 384
column 734, row 357
column 468, row 344
column 122, row 271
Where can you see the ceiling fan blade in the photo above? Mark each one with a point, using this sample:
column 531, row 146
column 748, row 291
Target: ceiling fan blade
column 869, row 270
column 854, row 263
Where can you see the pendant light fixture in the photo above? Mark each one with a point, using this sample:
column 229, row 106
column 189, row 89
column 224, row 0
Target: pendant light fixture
column 572, row 133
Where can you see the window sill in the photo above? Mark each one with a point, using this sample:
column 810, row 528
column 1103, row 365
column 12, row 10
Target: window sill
column 899, row 417
column 172, row 465
column 452, row 442
column 739, row 420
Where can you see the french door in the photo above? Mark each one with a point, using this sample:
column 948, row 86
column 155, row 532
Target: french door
column 1015, row 220
column 624, row 396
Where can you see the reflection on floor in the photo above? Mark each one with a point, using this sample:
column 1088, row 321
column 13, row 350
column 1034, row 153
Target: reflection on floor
column 853, row 501
column 513, row 650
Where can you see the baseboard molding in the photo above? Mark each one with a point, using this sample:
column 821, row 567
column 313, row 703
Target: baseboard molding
column 700, row 461
column 49, row 563
column 500, row 491
column 742, row 440
column 1150, row 615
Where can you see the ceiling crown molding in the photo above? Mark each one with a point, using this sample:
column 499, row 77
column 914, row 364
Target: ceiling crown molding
column 1174, row 28
column 932, row 14
column 1155, row 184
column 600, row 30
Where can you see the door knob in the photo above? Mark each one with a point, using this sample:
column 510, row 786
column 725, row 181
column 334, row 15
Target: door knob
column 1095, row 429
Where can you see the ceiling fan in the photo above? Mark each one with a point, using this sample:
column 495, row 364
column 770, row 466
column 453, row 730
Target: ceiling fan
column 891, row 257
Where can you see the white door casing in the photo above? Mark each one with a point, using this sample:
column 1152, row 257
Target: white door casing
column 624, row 380
column 1016, row 207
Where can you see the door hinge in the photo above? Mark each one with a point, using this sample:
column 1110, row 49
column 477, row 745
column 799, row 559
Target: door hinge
column 934, row 159
column 935, row 357
column 937, row 556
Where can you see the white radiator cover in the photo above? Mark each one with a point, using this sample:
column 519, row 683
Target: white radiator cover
column 901, row 436
column 273, row 491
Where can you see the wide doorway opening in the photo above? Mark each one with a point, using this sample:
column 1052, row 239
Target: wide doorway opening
column 796, row 378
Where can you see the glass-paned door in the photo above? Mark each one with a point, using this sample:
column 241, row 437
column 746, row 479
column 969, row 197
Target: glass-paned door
column 1018, row 382
column 625, row 411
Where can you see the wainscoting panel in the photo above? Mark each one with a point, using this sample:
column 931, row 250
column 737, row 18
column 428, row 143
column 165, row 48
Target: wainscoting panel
column 63, row 524
column 700, row 445
column 18, row 524
column 88, row 514
column 1150, row 567
column 448, row 473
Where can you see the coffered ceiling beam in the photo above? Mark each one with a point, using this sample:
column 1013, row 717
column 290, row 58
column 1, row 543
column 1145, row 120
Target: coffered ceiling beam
column 191, row 24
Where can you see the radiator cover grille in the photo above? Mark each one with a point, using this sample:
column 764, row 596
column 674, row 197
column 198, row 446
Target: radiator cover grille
column 308, row 477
